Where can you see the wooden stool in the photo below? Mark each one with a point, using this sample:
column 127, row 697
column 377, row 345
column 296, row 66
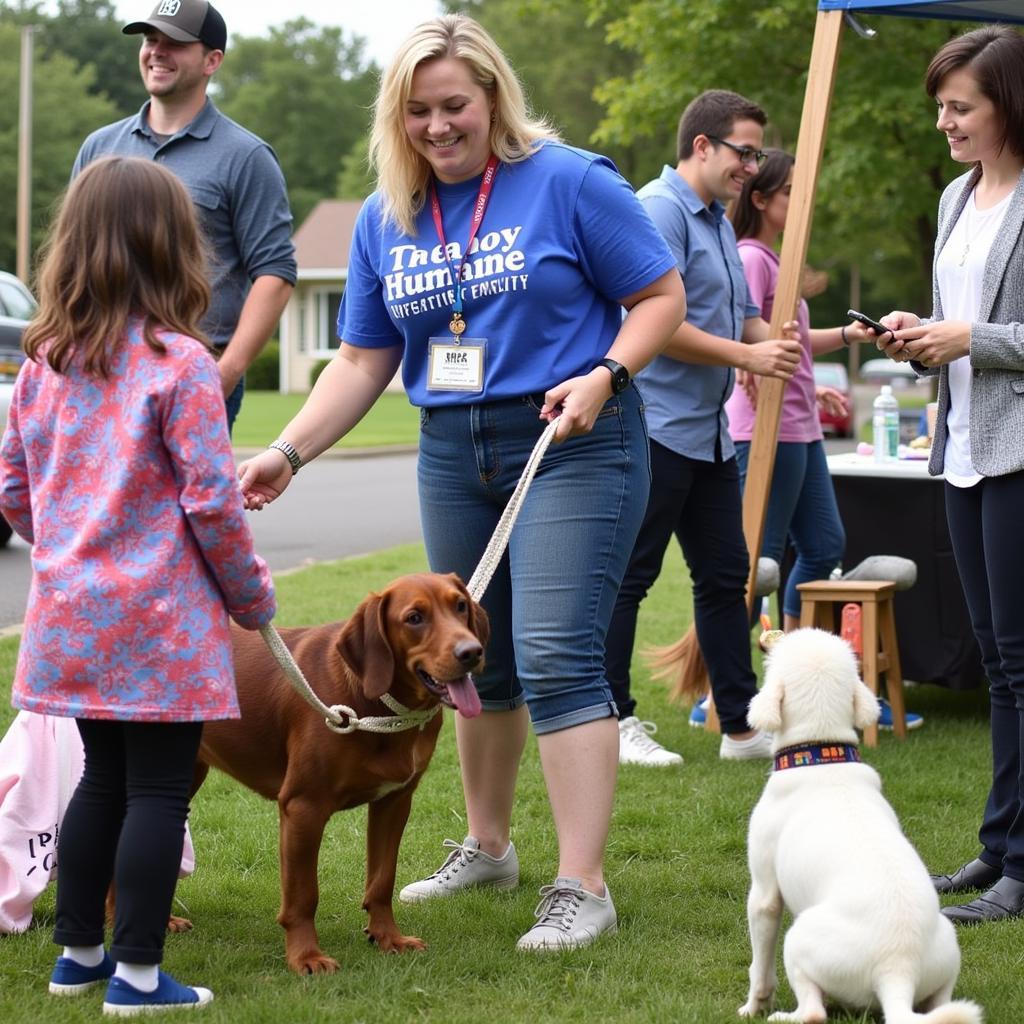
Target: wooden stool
column 881, row 652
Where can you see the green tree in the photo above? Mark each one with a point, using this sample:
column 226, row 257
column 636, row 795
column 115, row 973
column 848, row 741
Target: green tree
column 307, row 90
column 65, row 110
column 561, row 56
column 884, row 163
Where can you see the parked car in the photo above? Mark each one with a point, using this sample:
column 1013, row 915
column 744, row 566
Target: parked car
column 834, row 375
column 16, row 308
column 886, row 371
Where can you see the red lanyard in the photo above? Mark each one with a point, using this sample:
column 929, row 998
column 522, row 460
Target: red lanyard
column 482, row 198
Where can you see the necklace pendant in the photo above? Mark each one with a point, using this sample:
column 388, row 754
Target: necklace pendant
column 457, row 325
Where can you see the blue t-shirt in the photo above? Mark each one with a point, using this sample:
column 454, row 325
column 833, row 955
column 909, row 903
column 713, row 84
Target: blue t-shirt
column 562, row 240
column 685, row 402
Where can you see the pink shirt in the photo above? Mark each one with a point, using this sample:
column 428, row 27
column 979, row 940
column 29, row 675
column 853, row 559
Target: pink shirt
column 799, row 422
column 126, row 489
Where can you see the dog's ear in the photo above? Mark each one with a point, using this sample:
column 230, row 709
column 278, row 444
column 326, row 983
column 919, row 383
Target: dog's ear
column 363, row 646
column 865, row 706
column 478, row 621
column 765, row 712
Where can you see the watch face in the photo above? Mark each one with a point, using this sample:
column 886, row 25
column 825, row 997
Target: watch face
column 620, row 375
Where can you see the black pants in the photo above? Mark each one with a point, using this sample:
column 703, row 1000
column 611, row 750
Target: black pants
column 700, row 503
column 126, row 822
column 984, row 526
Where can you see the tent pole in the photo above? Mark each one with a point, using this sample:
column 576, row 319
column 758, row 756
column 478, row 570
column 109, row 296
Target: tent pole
column 810, row 146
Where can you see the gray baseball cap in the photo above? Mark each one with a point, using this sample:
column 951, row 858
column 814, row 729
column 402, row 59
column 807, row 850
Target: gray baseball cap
column 185, row 21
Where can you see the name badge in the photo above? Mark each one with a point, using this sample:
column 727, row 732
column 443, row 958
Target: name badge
column 456, row 365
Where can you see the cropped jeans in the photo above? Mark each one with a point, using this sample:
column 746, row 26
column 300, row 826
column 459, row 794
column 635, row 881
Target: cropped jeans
column 551, row 598
column 802, row 506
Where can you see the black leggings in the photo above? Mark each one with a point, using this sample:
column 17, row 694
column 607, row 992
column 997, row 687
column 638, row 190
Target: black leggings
column 126, row 822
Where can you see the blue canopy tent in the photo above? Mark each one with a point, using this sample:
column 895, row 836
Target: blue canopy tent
column 810, row 145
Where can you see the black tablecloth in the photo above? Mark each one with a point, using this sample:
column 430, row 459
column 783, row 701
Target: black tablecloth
column 888, row 516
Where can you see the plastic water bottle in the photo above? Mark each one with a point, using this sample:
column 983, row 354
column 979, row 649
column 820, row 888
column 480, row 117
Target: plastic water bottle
column 885, row 424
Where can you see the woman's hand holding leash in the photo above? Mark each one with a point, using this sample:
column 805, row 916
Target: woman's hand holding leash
column 576, row 403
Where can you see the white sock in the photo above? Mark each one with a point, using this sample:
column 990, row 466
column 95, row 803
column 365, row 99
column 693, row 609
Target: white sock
column 86, row 956
column 144, row 977
column 746, row 742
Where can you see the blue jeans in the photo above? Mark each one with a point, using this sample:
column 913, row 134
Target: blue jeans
column 551, row 598
column 984, row 527
column 802, row 505
column 233, row 403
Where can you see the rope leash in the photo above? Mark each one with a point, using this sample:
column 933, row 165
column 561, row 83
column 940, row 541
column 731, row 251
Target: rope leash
column 342, row 719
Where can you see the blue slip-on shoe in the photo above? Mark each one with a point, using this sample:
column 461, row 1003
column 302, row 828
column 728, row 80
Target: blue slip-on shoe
column 914, row 720
column 124, row 1000
column 699, row 714
column 70, row 978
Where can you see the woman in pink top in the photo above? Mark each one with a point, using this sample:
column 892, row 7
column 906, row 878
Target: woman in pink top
column 802, row 504
column 116, row 467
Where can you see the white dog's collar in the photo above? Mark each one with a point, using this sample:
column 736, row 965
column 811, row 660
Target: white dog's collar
column 806, row 755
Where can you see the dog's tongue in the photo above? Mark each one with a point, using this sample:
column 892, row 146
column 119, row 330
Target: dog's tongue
column 464, row 696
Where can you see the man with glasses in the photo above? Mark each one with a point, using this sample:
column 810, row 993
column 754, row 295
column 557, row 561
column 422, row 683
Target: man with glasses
column 695, row 489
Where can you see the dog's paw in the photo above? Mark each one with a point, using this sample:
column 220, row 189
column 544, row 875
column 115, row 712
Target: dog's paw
column 752, row 1007
column 793, row 1018
column 394, row 942
column 178, row 924
column 313, row 963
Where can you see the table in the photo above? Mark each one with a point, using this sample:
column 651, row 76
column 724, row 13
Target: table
column 896, row 508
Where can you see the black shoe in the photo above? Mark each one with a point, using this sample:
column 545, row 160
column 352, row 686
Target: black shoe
column 1003, row 901
column 976, row 875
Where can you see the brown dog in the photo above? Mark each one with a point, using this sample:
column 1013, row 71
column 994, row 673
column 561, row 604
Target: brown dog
column 417, row 641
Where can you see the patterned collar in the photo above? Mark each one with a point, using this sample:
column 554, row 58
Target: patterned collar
column 805, row 755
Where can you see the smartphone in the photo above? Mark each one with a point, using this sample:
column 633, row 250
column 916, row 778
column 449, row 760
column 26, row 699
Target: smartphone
column 868, row 322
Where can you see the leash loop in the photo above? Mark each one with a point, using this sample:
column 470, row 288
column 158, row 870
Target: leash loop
column 342, row 719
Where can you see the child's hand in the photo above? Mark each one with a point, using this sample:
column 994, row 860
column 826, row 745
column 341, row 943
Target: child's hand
column 264, row 478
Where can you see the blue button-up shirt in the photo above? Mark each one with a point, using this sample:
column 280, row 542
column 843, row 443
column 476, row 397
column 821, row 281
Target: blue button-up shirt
column 684, row 401
column 239, row 193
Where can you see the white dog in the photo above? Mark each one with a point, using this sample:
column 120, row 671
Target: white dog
column 825, row 843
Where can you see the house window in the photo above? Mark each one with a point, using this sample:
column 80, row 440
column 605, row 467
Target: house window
column 327, row 301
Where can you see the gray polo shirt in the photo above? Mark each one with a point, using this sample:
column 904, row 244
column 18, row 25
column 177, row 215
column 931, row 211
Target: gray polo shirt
column 685, row 402
column 239, row 192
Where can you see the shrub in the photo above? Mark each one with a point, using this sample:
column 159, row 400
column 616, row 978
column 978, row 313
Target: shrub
column 264, row 373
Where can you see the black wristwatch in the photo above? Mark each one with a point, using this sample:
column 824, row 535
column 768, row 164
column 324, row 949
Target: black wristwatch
column 620, row 375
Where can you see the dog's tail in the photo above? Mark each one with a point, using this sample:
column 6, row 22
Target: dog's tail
column 897, row 1009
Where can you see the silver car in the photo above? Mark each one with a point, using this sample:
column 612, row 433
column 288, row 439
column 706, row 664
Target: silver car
column 17, row 307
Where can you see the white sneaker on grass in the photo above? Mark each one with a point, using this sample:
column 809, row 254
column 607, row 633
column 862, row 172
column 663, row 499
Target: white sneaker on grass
column 758, row 745
column 638, row 746
column 568, row 917
column 466, row 866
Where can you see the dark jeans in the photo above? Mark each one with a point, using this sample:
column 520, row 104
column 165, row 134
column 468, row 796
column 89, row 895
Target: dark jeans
column 126, row 822
column 984, row 526
column 233, row 404
column 699, row 502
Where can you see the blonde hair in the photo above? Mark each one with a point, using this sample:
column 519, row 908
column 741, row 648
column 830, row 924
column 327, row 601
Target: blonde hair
column 403, row 174
column 126, row 243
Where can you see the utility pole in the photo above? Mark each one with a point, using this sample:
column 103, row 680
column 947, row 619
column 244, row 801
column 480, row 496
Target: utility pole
column 24, row 227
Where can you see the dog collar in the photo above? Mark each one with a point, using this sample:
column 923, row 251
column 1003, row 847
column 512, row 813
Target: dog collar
column 809, row 754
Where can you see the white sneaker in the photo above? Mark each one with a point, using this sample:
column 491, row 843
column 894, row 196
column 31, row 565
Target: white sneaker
column 759, row 745
column 466, row 866
column 637, row 745
column 569, row 917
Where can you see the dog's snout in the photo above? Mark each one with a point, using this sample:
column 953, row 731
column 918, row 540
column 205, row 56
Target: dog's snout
column 468, row 652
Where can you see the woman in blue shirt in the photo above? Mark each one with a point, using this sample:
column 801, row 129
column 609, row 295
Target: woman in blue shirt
column 493, row 263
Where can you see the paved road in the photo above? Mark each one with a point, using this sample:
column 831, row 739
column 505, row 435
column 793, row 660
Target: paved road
column 336, row 508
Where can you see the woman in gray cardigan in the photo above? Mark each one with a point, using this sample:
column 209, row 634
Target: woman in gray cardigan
column 974, row 341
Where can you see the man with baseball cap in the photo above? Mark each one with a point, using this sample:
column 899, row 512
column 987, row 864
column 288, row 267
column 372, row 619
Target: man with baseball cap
column 233, row 176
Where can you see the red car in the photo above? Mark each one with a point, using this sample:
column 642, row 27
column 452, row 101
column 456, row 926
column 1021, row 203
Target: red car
column 834, row 375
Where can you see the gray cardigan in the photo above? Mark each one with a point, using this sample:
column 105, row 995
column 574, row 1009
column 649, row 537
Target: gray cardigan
column 997, row 341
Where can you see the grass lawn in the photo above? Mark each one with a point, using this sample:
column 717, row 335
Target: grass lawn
column 392, row 420
column 676, row 867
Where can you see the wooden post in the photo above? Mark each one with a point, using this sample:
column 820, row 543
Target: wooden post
column 821, row 77
column 810, row 146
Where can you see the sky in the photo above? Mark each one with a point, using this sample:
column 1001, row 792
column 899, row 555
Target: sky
column 383, row 23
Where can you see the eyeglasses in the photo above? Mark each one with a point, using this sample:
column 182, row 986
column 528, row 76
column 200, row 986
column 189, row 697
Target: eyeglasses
column 746, row 153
